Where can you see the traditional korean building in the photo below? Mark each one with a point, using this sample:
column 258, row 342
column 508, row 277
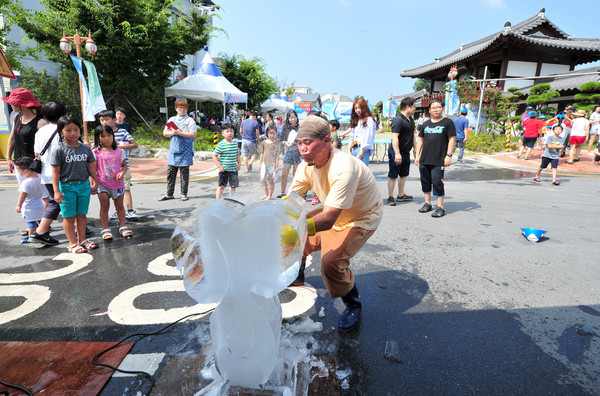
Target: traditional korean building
column 534, row 47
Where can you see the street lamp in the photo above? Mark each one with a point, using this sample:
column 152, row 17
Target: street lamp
column 90, row 46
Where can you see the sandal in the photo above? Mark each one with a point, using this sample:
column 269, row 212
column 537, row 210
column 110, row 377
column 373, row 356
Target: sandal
column 89, row 245
column 24, row 233
column 125, row 232
column 569, row 162
column 537, row 179
column 556, row 183
column 76, row 249
column 106, row 234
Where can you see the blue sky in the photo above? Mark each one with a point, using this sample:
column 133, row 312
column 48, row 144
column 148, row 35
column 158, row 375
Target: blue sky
column 360, row 48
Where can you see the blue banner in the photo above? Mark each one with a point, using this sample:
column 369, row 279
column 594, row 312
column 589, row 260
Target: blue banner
column 88, row 115
column 236, row 98
column 390, row 112
column 452, row 100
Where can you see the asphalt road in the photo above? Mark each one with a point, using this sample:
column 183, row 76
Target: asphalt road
column 472, row 306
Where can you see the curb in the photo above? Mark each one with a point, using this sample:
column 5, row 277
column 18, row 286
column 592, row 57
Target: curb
column 196, row 176
column 9, row 179
column 489, row 160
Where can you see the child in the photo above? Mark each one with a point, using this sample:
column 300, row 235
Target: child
column 121, row 114
column 269, row 161
column 226, row 157
column 181, row 149
column 73, row 180
column 32, row 197
column 554, row 143
column 52, row 111
column 110, row 168
column 336, row 142
column 125, row 142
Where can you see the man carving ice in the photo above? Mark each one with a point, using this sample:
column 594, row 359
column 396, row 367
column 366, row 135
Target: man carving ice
column 351, row 212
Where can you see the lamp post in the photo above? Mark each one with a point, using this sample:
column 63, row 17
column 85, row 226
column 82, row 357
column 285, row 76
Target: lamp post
column 90, row 46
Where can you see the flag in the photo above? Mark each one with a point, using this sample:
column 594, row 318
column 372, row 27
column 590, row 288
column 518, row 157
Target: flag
column 96, row 99
column 87, row 108
column 452, row 100
column 390, row 111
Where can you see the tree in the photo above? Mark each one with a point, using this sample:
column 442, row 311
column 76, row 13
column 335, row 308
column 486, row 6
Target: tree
column 421, row 83
column 250, row 76
column 588, row 96
column 139, row 42
column 540, row 95
column 290, row 91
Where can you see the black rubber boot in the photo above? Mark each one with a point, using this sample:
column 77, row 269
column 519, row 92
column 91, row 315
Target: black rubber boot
column 350, row 318
column 300, row 278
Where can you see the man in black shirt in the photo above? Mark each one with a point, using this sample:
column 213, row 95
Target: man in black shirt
column 403, row 138
column 433, row 154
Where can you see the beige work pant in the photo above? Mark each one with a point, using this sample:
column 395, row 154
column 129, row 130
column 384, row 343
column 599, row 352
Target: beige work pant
column 337, row 247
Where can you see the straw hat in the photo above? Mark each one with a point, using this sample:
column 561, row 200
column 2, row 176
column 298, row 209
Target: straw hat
column 579, row 113
column 21, row 97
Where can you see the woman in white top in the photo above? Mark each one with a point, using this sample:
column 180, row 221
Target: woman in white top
column 362, row 134
column 594, row 128
column 52, row 111
column 580, row 132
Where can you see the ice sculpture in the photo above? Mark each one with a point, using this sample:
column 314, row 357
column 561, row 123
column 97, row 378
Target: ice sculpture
column 242, row 256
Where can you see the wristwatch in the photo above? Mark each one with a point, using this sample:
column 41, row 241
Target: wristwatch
column 449, row 155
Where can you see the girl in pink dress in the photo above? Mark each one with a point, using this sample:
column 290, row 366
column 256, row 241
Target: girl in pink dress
column 112, row 166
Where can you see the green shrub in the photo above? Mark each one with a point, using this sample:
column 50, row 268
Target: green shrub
column 540, row 88
column 591, row 86
column 152, row 136
column 490, row 143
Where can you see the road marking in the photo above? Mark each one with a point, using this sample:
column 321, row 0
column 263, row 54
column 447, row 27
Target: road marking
column 147, row 362
column 123, row 311
column 79, row 261
column 159, row 266
column 306, row 297
column 35, row 297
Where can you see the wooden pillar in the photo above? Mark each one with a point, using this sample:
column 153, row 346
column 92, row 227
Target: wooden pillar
column 503, row 68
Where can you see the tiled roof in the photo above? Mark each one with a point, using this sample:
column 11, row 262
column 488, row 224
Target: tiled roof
column 518, row 32
column 417, row 94
column 568, row 81
column 306, row 97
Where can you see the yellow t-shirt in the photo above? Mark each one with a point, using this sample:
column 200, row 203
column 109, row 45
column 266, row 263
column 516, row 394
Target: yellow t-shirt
column 344, row 183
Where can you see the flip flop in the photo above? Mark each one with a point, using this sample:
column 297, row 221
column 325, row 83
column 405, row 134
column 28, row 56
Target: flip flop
column 75, row 248
column 88, row 245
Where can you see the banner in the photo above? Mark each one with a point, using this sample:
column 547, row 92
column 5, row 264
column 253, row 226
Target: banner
column 302, row 109
column 87, row 108
column 452, row 100
column 387, row 111
column 236, row 98
column 329, row 109
column 96, row 99
column 343, row 111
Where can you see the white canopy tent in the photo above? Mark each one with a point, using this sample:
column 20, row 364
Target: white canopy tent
column 207, row 84
column 277, row 103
